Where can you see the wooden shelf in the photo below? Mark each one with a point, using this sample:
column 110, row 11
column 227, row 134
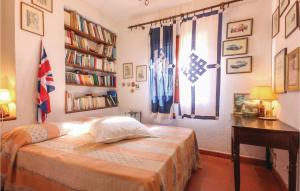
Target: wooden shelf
column 68, row 112
column 87, row 36
column 71, row 84
column 9, row 118
column 84, row 51
column 88, row 68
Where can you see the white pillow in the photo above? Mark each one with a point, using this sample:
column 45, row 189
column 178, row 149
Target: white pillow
column 117, row 128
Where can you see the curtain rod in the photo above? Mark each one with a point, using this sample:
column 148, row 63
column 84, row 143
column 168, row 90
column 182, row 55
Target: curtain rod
column 221, row 5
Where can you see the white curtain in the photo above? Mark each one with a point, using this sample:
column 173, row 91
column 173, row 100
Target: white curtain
column 199, row 66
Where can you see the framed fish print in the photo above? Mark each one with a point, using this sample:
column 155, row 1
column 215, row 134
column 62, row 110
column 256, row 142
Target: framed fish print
column 141, row 73
column 239, row 65
column 44, row 4
column 275, row 22
column 293, row 70
column 239, row 28
column 292, row 20
column 127, row 71
column 32, row 19
column 283, row 5
column 280, row 72
column 235, row 47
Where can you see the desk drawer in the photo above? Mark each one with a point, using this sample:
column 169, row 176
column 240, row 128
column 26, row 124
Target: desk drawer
column 278, row 140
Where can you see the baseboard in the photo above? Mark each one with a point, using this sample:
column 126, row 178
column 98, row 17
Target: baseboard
column 228, row 156
column 279, row 179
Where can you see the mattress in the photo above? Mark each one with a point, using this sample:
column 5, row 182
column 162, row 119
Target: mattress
column 75, row 162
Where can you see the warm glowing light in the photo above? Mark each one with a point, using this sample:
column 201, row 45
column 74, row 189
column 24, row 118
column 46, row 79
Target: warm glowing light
column 77, row 128
column 4, row 97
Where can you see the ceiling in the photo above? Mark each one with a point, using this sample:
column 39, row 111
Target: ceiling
column 125, row 9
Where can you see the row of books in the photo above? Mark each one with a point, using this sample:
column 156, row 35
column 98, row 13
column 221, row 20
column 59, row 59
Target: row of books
column 80, row 42
column 88, row 61
column 90, row 101
column 86, row 102
column 76, row 21
column 80, row 78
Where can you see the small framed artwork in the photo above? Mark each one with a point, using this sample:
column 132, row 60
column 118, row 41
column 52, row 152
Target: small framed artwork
column 275, row 23
column 44, row 4
column 235, row 47
column 127, row 71
column 283, row 5
column 239, row 65
column 292, row 20
column 32, row 19
column 239, row 28
column 239, row 102
column 293, row 70
column 141, row 73
column 279, row 72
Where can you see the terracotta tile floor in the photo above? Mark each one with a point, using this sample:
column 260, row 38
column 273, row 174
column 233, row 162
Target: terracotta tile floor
column 216, row 174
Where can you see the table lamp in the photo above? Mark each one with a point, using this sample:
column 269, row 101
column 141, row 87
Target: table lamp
column 263, row 93
column 4, row 101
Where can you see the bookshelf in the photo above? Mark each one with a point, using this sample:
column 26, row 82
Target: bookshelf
column 90, row 56
column 108, row 107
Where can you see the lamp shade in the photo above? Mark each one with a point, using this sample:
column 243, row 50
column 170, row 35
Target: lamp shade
column 262, row 93
column 4, row 97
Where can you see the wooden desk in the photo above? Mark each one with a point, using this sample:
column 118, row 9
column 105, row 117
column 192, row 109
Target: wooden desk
column 275, row 134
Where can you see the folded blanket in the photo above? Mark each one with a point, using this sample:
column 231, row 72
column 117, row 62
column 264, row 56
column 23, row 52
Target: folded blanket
column 12, row 141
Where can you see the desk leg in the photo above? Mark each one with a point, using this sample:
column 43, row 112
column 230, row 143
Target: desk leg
column 236, row 158
column 232, row 149
column 292, row 168
column 269, row 164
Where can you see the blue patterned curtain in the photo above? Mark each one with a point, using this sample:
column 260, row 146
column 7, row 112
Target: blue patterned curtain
column 161, row 69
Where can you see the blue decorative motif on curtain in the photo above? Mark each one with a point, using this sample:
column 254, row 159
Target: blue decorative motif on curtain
column 161, row 69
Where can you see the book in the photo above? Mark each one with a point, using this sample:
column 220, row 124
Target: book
column 67, row 18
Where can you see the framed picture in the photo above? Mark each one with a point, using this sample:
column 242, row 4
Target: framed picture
column 239, row 28
column 235, row 47
column 239, row 65
column 127, row 71
column 44, row 4
column 292, row 20
column 32, row 19
column 275, row 22
column 283, row 5
column 141, row 73
column 239, row 102
column 293, row 70
column 279, row 72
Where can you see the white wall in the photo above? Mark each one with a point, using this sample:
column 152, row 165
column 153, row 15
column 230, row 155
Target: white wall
column 289, row 111
column 27, row 48
column 212, row 135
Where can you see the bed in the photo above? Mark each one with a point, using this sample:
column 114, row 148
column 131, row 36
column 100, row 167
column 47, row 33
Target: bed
column 76, row 162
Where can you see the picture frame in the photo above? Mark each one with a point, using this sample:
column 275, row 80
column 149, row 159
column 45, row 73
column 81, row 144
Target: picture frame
column 141, row 73
column 239, row 65
column 280, row 72
column 293, row 70
column 275, row 23
column 47, row 5
column 127, row 70
column 239, row 28
column 283, row 5
column 292, row 19
column 235, row 47
column 32, row 19
column 238, row 102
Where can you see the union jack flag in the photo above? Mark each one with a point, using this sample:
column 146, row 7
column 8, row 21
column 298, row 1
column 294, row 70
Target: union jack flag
column 45, row 86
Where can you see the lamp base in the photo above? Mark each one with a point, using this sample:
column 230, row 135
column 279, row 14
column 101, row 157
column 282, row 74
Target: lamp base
column 268, row 118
